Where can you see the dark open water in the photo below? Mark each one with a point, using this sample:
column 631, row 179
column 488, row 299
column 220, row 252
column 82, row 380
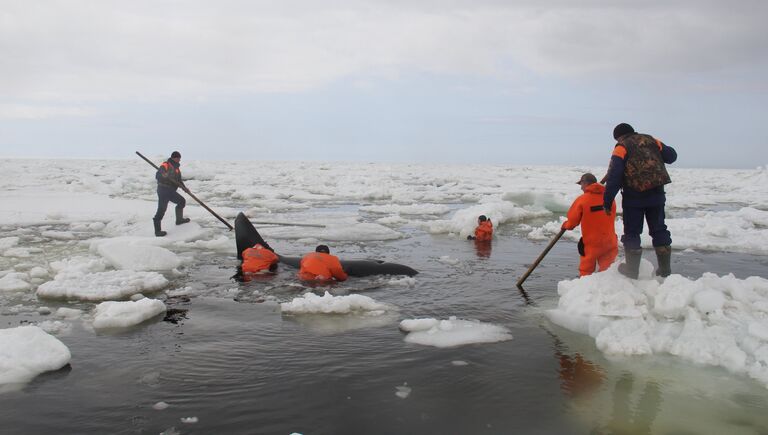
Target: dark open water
column 241, row 367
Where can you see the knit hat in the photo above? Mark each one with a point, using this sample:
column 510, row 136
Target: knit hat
column 323, row 248
column 621, row 130
column 175, row 154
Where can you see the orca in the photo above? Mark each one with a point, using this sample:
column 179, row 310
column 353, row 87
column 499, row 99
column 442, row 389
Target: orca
column 246, row 236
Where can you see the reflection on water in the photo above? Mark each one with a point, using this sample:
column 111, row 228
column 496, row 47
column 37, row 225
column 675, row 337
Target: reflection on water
column 227, row 355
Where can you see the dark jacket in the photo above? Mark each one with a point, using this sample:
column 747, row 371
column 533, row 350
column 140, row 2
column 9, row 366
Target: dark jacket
column 616, row 177
column 169, row 175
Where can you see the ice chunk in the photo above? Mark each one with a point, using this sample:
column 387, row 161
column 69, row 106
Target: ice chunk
column 102, row 286
column 127, row 313
column 452, row 332
column 27, row 351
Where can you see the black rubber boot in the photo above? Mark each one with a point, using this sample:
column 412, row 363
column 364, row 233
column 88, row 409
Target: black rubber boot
column 180, row 219
column 664, row 258
column 631, row 266
column 158, row 231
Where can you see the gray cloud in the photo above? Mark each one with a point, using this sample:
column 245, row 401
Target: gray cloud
column 145, row 50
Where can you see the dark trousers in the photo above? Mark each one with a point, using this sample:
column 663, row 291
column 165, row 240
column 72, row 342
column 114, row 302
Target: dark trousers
column 165, row 195
column 633, row 226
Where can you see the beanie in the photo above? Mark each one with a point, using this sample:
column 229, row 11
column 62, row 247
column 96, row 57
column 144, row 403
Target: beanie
column 621, row 130
column 175, row 154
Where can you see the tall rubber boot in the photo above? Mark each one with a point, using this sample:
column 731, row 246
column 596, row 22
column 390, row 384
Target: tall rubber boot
column 664, row 258
column 180, row 219
column 158, row 231
column 631, row 266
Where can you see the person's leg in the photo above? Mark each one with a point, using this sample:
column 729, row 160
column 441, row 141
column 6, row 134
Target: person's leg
column 587, row 262
column 162, row 206
column 662, row 239
column 607, row 257
column 180, row 204
column 657, row 228
column 633, row 227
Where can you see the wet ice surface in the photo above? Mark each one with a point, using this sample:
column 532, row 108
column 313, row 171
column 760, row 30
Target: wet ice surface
column 229, row 358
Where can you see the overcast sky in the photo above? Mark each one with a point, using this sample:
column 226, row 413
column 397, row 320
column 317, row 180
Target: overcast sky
column 480, row 81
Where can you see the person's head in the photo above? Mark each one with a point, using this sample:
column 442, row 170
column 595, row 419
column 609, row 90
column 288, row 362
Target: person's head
column 323, row 248
column 176, row 156
column 482, row 218
column 622, row 129
column 586, row 180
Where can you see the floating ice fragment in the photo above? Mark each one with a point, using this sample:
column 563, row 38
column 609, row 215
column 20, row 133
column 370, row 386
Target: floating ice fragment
column 189, row 420
column 403, row 391
column 160, row 406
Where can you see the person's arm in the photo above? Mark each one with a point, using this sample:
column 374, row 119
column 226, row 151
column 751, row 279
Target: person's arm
column 614, row 176
column 574, row 216
column 668, row 154
column 337, row 270
column 161, row 173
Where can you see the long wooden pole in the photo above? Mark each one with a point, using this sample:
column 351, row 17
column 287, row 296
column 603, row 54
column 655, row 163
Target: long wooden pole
column 184, row 188
column 288, row 224
column 541, row 257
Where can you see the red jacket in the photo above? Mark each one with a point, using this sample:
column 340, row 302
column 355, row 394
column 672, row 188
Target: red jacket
column 321, row 266
column 597, row 228
column 257, row 259
column 484, row 231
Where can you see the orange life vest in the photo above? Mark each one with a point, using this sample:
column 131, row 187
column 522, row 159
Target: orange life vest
column 321, row 266
column 257, row 259
column 484, row 231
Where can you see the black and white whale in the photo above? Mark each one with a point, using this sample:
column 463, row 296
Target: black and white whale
column 246, row 236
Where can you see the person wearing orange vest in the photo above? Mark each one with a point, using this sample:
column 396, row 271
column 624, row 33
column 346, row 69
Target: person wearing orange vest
column 168, row 178
column 321, row 266
column 258, row 259
column 484, row 230
column 598, row 243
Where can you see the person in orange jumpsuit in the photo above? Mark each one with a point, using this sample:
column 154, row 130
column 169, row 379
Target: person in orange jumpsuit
column 321, row 266
column 258, row 259
column 484, row 230
column 598, row 243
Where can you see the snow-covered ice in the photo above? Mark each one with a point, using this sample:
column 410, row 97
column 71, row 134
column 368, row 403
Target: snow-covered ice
column 100, row 286
column 711, row 320
column 124, row 314
column 311, row 303
column 452, row 332
column 27, row 351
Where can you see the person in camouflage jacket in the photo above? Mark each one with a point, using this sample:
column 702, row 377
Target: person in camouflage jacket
column 637, row 167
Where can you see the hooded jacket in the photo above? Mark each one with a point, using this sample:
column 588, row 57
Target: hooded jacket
column 321, row 266
column 597, row 228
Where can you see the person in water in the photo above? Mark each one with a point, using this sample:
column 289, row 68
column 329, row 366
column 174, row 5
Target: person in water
column 484, row 230
column 321, row 266
column 598, row 243
column 168, row 178
column 258, row 259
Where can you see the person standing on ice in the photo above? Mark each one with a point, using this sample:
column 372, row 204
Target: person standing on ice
column 168, row 180
column 484, row 230
column 321, row 266
column 638, row 168
column 598, row 243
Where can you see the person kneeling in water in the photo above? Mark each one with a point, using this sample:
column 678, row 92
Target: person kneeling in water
column 259, row 259
column 321, row 266
column 484, row 230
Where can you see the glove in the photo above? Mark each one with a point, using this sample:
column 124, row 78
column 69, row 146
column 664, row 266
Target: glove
column 470, row 238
